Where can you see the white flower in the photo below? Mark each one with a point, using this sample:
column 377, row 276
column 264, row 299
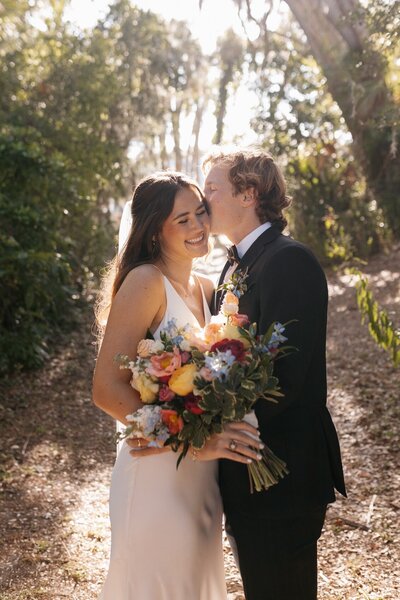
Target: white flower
column 230, row 309
column 230, row 304
column 185, row 346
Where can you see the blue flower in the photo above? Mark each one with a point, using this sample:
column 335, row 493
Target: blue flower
column 220, row 363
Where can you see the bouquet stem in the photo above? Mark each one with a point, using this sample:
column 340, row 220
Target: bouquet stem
column 269, row 470
column 266, row 472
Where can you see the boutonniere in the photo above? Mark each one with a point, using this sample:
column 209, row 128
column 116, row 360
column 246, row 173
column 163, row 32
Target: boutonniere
column 236, row 283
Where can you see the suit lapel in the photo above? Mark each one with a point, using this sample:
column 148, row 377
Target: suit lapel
column 255, row 249
column 218, row 295
column 248, row 259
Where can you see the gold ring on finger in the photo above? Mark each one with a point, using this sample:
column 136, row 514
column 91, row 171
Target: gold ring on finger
column 232, row 445
column 139, row 443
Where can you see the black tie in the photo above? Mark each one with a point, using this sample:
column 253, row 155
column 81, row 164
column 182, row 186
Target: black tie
column 232, row 255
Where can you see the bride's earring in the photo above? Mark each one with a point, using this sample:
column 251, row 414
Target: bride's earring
column 155, row 247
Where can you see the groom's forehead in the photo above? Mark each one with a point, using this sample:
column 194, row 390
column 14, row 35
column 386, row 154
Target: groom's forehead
column 217, row 174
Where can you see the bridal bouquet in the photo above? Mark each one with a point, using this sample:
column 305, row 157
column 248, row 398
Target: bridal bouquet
column 193, row 381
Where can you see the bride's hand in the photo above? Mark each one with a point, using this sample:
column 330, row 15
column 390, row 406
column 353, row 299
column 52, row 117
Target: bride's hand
column 236, row 443
column 140, row 447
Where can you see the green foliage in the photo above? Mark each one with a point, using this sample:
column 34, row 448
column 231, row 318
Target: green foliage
column 331, row 211
column 35, row 273
column 380, row 326
column 72, row 103
column 353, row 177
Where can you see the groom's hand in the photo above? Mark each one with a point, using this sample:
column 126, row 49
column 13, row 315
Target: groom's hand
column 239, row 442
column 140, row 447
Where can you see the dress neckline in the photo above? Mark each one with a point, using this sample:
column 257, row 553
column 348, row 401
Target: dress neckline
column 186, row 306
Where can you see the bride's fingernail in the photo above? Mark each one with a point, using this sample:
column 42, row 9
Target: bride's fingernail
column 261, row 445
column 259, row 456
column 249, row 460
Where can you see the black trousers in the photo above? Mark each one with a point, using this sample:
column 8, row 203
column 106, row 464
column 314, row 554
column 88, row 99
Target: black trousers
column 277, row 555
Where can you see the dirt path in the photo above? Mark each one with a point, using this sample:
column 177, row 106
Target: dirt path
column 57, row 452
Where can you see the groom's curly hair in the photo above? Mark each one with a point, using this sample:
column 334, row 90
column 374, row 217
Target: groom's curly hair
column 255, row 168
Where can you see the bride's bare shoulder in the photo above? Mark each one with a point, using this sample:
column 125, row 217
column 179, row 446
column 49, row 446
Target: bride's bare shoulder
column 144, row 278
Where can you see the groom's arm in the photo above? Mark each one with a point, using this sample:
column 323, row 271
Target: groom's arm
column 293, row 286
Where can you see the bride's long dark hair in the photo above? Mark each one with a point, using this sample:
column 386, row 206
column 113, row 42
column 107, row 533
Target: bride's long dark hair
column 152, row 203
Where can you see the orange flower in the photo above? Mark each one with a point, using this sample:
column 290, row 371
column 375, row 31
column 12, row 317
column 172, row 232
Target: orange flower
column 212, row 333
column 172, row 420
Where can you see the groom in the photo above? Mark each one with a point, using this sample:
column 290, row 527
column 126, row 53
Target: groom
column 276, row 531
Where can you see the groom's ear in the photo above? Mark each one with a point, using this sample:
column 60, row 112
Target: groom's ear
column 249, row 197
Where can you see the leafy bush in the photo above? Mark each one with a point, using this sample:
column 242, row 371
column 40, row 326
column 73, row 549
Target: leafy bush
column 48, row 241
column 331, row 211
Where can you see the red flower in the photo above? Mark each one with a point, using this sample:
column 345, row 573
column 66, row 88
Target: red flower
column 235, row 346
column 192, row 404
column 172, row 420
column 164, row 378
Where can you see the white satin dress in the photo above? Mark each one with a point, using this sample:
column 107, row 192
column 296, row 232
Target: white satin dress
column 166, row 523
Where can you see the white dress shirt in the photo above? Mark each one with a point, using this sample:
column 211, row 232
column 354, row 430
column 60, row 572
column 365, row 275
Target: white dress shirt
column 245, row 244
column 250, row 238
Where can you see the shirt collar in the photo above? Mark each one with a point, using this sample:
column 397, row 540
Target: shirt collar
column 250, row 238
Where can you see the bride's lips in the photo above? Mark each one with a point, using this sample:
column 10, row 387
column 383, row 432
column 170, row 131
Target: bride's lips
column 196, row 241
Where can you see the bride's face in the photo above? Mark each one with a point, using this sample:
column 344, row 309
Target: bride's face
column 185, row 232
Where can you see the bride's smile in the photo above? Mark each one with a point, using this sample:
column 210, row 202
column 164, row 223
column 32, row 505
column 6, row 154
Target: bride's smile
column 185, row 232
column 196, row 241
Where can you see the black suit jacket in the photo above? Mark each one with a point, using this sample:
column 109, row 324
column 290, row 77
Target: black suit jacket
column 285, row 282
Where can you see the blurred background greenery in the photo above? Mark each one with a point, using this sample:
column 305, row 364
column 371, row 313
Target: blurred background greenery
column 87, row 110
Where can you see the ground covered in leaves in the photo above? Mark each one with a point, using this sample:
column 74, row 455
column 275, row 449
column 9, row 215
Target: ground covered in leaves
column 57, row 452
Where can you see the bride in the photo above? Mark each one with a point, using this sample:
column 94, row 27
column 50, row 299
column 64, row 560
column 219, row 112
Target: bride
column 166, row 524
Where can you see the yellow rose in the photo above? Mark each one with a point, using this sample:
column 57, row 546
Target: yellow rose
column 181, row 380
column 146, row 387
column 231, row 332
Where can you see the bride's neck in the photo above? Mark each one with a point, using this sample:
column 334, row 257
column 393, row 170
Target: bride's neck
column 179, row 271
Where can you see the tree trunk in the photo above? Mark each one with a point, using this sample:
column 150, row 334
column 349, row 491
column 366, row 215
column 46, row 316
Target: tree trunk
column 175, row 114
column 226, row 79
column 355, row 75
column 195, row 166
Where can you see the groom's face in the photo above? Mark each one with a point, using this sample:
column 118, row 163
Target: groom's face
column 223, row 203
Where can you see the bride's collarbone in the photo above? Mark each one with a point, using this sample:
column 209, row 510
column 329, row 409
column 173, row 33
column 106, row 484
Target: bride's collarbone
column 194, row 301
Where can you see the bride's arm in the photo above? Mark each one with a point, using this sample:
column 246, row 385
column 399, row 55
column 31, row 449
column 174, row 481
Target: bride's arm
column 137, row 305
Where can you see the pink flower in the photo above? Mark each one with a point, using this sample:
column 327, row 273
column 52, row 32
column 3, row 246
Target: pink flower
column 185, row 357
column 165, row 394
column 165, row 363
column 239, row 320
column 205, row 373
